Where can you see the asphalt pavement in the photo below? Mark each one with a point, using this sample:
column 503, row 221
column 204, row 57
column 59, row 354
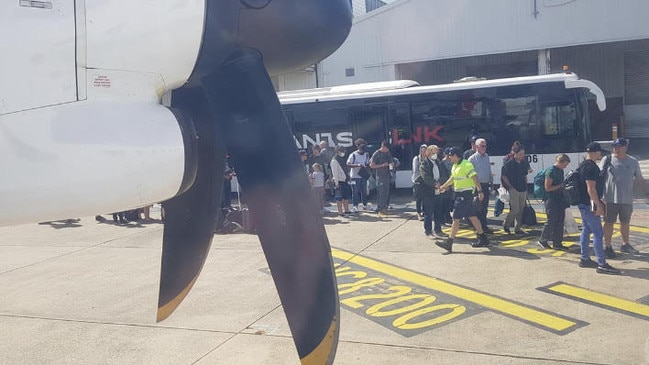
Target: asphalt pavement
column 85, row 292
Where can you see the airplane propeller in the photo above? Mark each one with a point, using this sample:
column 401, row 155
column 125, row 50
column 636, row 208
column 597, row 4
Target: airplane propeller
column 233, row 105
column 281, row 201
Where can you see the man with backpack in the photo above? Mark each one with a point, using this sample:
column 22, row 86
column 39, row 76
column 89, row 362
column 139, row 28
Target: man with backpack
column 621, row 173
column 592, row 209
column 555, row 203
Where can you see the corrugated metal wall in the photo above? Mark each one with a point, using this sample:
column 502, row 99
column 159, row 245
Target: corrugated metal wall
column 636, row 93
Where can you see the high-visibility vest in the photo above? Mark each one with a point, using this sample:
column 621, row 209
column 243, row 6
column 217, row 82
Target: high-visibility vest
column 462, row 174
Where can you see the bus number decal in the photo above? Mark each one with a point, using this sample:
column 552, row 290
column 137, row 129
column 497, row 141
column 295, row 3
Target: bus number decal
column 532, row 158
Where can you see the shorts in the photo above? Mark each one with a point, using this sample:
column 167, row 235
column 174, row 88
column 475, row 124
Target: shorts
column 343, row 192
column 614, row 210
column 463, row 206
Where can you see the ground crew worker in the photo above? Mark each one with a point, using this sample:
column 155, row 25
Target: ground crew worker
column 465, row 185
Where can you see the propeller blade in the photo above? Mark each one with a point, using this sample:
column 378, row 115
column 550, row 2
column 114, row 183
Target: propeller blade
column 281, row 201
column 190, row 218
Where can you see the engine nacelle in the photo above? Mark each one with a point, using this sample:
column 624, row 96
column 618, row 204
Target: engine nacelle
column 91, row 158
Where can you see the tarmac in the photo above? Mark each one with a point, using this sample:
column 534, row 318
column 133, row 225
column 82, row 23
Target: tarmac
column 84, row 292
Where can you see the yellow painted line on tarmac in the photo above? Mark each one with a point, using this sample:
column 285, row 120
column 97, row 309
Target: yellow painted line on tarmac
column 599, row 299
column 530, row 315
column 616, row 226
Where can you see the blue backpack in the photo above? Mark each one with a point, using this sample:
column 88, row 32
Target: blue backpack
column 539, row 185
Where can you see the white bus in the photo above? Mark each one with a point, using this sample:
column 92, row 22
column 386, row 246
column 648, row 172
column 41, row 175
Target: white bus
column 547, row 113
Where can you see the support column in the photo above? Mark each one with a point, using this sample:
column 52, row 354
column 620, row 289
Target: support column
column 544, row 61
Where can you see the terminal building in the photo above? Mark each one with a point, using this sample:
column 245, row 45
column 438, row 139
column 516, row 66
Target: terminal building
column 436, row 42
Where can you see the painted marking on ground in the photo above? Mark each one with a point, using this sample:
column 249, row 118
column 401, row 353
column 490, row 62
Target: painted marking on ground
column 542, row 217
column 602, row 300
column 536, row 317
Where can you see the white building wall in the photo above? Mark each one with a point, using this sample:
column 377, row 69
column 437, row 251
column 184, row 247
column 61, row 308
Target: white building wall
column 418, row 30
column 358, row 7
column 304, row 79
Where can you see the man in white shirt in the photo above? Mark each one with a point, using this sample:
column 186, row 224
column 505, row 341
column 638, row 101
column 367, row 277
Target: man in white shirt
column 357, row 160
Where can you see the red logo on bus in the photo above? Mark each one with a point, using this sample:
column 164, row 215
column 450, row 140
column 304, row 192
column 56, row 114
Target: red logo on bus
column 421, row 135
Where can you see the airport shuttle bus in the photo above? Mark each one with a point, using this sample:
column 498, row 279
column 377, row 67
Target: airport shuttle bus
column 547, row 113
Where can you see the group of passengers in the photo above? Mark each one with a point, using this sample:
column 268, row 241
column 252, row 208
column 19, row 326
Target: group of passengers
column 460, row 183
column 347, row 175
column 606, row 190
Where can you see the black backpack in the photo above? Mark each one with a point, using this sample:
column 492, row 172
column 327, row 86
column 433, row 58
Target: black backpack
column 573, row 187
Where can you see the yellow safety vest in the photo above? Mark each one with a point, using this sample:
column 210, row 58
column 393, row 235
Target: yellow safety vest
column 463, row 173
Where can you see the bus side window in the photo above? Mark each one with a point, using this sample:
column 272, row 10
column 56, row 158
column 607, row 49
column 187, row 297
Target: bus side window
column 400, row 132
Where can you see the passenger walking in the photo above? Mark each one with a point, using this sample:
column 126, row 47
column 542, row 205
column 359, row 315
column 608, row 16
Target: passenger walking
column 592, row 209
column 416, row 162
column 482, row 164
column 358, row 161
column 433, row 175
column 340, row 178
column 555, row 204
column 514, row 179
column 621, row 172
column 383, row 163
column 465, row 184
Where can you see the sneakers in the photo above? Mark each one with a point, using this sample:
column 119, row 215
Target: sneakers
column 507, row 230
column 421, row 216
column 382, row 213
column 608, row 269
column 558, row 246
column 447, row 245
column 483, row 241
column 609, row 253
column 544, row 244
column 354, row 210
column 627, row 248
column 520, row 231
column 367, row 207
column 588, row 263
column 428, row 234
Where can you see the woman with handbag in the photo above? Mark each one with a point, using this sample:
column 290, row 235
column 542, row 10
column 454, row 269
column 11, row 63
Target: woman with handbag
column 432, row 175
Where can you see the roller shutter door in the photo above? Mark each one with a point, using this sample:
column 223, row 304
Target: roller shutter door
column 636, row 93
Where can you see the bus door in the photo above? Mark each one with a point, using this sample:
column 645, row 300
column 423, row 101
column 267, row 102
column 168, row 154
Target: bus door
column 403, row 145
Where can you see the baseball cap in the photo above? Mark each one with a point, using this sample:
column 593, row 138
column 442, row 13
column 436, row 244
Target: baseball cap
column 593, row 147
column 423, row 145
column 620, row 142
column 453, row 151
